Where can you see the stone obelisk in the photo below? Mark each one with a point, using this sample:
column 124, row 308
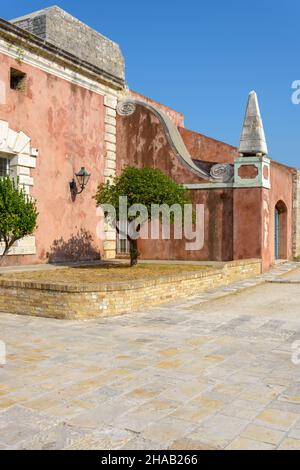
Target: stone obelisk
column 253, row 141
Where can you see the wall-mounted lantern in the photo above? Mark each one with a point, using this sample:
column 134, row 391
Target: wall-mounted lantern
column 82, row 177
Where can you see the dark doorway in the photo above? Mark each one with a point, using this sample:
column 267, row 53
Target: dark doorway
column 280, row 230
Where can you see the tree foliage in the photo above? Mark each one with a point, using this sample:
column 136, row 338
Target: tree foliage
column 18, row 214
column 145, row 186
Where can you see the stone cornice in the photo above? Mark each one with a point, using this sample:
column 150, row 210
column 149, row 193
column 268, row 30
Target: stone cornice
column 194, row 186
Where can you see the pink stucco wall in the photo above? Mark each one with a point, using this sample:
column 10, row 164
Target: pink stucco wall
column 175, row 116
column 281, row 191
column 236, row 220
column 142, row 142
column 205, row 148
column 254, row 218
column 66, row 123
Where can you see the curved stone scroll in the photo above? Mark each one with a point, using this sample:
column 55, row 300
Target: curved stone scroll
column 222, row 172
column 127, row 107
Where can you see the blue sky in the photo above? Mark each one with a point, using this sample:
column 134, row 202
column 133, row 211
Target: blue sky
column 203, row 57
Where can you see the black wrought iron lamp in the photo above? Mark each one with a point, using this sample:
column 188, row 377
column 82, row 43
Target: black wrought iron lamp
column 82, row 177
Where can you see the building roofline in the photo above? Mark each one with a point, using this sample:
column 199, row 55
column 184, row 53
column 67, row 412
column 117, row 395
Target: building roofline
column 37, row 13
column 157, row 102
column 233, row 147
column 34, row 13
column 289, row 167
column 29, row 41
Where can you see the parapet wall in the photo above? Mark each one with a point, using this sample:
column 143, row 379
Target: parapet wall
column 61, row 29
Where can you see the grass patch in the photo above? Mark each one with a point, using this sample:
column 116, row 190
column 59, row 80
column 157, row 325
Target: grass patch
column 102, row 273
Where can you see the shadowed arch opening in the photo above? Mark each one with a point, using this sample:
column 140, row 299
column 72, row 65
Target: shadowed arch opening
column 280, row 230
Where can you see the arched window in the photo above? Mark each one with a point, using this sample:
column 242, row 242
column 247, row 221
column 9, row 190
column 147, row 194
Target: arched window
column 280, row 230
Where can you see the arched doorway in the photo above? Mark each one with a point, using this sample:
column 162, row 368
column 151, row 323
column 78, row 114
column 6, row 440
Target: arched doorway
column 280, row 229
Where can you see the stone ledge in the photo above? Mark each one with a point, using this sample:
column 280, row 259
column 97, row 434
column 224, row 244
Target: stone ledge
column 73, row 301
column 127, row 285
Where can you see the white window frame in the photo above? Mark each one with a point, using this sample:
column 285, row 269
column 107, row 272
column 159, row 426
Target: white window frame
column 5, row 157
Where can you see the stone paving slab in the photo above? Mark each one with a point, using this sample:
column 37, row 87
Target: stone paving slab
column 200, row 373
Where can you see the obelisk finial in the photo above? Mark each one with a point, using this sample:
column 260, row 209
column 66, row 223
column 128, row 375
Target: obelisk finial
column 253, row 141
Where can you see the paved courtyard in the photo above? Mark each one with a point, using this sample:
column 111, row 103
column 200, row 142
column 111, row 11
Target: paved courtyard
column 188, row 375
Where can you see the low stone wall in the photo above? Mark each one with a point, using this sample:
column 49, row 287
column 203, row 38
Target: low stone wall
column 114, row 298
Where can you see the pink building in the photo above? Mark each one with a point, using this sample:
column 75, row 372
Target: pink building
column 64, row 105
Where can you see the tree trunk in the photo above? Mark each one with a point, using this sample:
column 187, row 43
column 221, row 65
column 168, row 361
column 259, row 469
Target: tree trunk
column 2, row 257
column 134, row 254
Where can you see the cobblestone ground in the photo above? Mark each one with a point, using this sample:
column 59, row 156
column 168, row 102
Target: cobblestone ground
column 214, row 371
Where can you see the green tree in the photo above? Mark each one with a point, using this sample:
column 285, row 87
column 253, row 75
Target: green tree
column 146, row 186
column 18, row 214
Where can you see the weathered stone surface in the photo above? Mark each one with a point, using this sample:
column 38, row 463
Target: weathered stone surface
column 242, row 443
column 262, row 434
column 61, row 29
column 253, row 141
column 97, row 384
column 290, row 444
column 277, row 419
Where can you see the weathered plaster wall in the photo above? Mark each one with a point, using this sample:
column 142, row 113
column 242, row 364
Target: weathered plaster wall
column 281, row 190
column 239, row 222
column 296, row 223
column 254, row 217
column 66, row 123
column 208, row 149
column 218, row 238
column 175, row 116
column 247, row 231
column 141, row 142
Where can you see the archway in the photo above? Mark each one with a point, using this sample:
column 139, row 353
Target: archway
column 280, row 230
